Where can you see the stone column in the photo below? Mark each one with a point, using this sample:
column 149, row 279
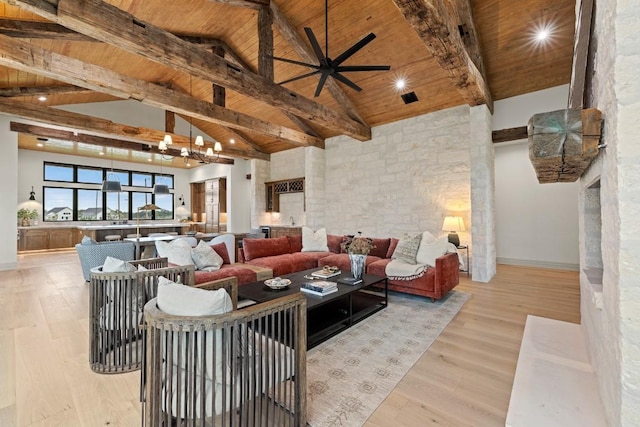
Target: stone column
column 8, row 208
column 259, row 175
column 483, row 232
column 314, row 172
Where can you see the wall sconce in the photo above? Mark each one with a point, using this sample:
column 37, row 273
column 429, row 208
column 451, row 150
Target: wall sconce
column 453, row 224
column 32, row 195
column 181, row 199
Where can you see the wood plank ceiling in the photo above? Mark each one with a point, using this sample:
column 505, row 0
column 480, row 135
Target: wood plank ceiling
column 53, row 47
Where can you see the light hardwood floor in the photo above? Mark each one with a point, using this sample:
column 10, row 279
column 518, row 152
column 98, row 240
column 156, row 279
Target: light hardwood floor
column 464, row 379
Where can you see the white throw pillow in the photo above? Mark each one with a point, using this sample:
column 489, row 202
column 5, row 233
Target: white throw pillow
column 181, row 300
column 429, row 251
column 115, row 265
column 427, row 239
column 314, row 241
column 205, row 257
column 177, row 252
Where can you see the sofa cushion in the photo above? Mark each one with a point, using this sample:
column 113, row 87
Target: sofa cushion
column 204, row 257
column 314, row 241
column 221, row 249
column 295, row 243
column 380, row 247
column 342, row 261
column 392, row 247
column 407, row 249
column 429, row 251
column 259, row 248
column 244, row 275
column 333, row 243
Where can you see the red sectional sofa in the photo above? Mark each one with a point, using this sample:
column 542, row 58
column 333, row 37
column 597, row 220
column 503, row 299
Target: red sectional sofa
column 283, row 255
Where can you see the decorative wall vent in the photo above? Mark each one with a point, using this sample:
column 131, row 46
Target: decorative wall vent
column 563, row 143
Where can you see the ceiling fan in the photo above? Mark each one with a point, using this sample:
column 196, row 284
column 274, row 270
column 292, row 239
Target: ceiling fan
column 332, row 67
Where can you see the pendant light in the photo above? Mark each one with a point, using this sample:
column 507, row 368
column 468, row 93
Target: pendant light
column 111, row 184
column 160, row 188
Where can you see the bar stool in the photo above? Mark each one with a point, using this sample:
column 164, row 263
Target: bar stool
column 112, row 237
column 133, row 236
column 172, row 233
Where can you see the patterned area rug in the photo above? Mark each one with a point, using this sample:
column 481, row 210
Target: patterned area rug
column 349, row 375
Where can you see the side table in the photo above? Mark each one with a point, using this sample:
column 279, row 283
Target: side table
column 466, row 249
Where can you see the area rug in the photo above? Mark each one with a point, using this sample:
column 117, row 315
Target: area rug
column 350, row 375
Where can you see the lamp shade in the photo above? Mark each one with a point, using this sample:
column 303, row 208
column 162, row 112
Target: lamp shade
column 453, row 223
column 217, row 147
column 161, row 189
column 110, row 186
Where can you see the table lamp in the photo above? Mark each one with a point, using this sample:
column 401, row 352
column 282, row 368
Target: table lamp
column 148, row 207
column 452, row 224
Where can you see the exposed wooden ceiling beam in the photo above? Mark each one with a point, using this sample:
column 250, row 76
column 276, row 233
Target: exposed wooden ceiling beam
column 109, row 24
column 39, row 30
column 47, row 132
column 70, row 120
column 12, row 92
column 468, row 33
column 251, row 4
column 265, row 43
column 510, row 134
column 580, row 54
column 306, row 54
column 439, row 31
column 23, row 56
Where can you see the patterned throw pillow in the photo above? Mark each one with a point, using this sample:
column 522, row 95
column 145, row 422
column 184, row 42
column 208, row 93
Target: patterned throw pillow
column 407, row 249
column 205, row 257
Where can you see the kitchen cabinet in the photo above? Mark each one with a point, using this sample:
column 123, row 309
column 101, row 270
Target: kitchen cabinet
column 273, row 190
column 277, row 231
column 34, row 239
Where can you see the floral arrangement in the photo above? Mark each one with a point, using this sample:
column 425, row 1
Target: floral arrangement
column 358, row 245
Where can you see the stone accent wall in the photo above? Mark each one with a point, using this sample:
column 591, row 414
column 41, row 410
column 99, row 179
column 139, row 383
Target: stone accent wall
column 612, row 323
column 315, row 187
column 259, row 175
column 483, row 189
column 404, row 180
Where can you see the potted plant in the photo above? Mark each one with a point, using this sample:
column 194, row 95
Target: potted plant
column 25, row 216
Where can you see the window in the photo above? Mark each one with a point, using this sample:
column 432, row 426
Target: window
column 141, row 180
column 58, row 172
column 89, row 205
column 58, row 204
column 165, row 203
column 86, row 202
column 89, row 175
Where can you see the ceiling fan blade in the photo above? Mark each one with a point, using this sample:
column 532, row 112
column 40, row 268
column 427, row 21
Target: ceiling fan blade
column 291, row 61
column 323, row 78
column 353, row 49
column 346, row 81
column 315, row 45
column 299, row 77
column 362, row 68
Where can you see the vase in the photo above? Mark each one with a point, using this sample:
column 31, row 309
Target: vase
column 357, row 265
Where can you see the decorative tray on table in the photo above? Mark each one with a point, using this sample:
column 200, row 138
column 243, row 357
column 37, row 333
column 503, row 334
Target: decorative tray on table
column 277, row 283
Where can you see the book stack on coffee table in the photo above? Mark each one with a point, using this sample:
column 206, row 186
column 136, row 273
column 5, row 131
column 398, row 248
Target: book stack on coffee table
column 319, row 287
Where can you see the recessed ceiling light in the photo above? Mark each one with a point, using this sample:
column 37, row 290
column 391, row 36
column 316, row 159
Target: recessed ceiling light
column 40, row 144
column 401, row 83
column 232, row 141
column 42, row 98
column 542, row 34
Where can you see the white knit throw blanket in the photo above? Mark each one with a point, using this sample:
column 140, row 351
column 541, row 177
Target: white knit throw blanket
column 398, row 270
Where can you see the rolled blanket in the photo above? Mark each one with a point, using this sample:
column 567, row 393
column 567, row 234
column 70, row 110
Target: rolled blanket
column 398, row 270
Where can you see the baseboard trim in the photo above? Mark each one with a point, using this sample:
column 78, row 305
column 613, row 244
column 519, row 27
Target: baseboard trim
column 540, row 264
column 8, row 266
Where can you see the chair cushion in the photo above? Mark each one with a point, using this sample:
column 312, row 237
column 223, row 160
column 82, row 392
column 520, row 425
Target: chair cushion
column 314, row 241
column 115, row 265
column 204, row 257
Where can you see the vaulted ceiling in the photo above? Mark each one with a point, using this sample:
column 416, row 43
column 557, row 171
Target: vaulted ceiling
column 167, row 55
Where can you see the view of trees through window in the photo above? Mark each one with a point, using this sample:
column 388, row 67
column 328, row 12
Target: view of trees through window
column 87, row 202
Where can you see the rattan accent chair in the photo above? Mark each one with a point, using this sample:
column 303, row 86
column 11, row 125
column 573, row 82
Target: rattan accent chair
column 116, row 303
column 242, row 368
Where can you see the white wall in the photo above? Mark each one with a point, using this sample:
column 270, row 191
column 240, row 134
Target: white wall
column 9, row 195
column 536, row 224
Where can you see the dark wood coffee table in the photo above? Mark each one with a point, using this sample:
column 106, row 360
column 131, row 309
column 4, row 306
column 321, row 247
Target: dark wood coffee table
column 330, row 314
